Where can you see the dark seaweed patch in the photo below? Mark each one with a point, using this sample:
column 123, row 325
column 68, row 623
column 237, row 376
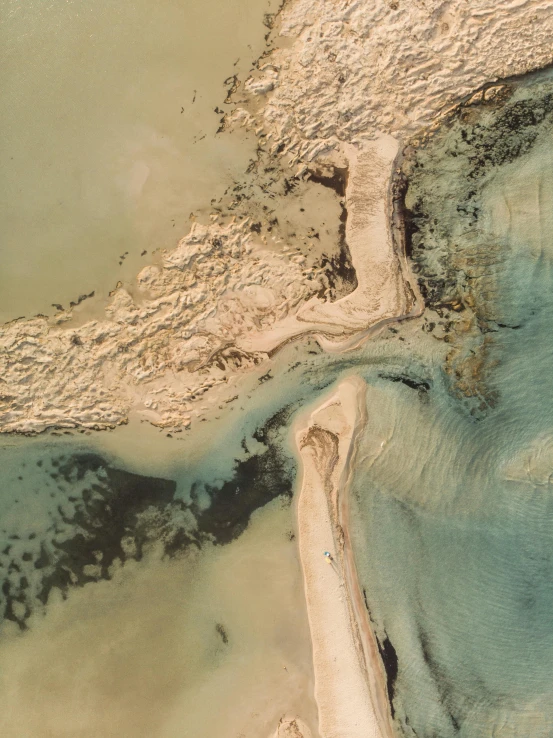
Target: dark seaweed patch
column 445, row 687
column 339, row 269
column 106, row 514
column 459, row 269
column 511, row 135
column 508, row 135
column 421, row 385
column 256, row 481
column 113, row 515
column 389, row 659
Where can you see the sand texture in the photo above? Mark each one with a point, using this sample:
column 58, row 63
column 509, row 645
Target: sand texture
column 215, row 307
column 348, row 673
column 357, row 67
column 158, row 351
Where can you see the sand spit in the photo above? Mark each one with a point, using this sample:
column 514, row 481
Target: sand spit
column 386, row 291
column 349, row 677
column 355, row 74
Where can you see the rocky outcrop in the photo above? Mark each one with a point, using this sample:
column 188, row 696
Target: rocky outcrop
column 355, row 67
column 159, row 350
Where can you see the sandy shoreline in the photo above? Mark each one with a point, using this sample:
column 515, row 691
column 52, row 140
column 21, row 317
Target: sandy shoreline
column 352, row 83
column 386, row 290
column 349, row 676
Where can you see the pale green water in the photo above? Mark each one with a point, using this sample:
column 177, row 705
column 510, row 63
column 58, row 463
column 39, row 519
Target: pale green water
column 454, row 506
column 108, row 135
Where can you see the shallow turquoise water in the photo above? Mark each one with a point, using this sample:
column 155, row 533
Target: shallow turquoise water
column 453, row 501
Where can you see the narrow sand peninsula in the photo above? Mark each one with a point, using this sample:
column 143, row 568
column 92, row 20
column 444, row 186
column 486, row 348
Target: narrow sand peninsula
column 349, row 677
column 380, row 292
column 384, row 291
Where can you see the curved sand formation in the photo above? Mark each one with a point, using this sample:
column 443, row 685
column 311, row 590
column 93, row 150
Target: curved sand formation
column 349, row 676
column 353, row 69
column 385, row 290
column 214, row 308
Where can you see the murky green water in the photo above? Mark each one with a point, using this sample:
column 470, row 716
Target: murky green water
column 108, row 137
column 133, row 604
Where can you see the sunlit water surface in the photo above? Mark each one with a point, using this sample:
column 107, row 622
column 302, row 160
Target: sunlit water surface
column 108, row 135
column 453, row 503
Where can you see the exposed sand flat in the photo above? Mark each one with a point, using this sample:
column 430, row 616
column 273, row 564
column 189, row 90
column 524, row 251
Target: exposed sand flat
column 348, row 674
column 380, row 292
column 384, row 290
column 351, row 74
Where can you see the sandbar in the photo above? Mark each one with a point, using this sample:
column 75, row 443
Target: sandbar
column 349, row 676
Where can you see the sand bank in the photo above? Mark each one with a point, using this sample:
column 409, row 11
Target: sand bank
column 353, row 69
column 349, row 677
column 141, row 656
column 351, row 76
column 385, row 290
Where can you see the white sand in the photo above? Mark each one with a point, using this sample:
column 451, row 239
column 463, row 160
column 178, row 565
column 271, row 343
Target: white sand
column 380, row 292
column 386, row 291
column 349, row 676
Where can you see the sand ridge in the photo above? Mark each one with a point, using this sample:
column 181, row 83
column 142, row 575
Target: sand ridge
column 357, row 68
column 349, row 678
column 215, row 308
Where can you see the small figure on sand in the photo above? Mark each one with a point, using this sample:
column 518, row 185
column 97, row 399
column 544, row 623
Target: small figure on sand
column 328, row 556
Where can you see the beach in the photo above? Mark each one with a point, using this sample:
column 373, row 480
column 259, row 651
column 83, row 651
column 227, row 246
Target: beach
column 349, row 677
column 246, row 328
